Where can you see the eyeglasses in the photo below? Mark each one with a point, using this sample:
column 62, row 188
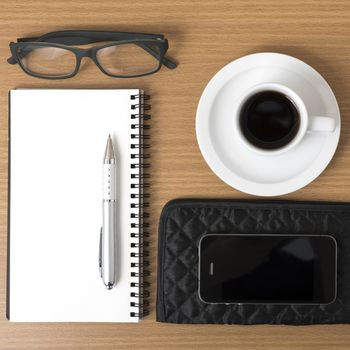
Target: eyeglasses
column 126, row 55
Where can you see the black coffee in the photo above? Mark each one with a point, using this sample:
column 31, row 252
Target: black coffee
column 269, row 120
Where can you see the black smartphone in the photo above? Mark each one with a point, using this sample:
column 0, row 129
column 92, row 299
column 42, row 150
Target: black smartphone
column 267, row 269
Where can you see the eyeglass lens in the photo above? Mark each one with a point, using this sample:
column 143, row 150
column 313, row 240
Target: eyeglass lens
column 129, row 59
column 44, row 60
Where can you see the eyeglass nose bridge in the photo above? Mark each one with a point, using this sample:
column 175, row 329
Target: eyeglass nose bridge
column 82, row 53
column 89, row 53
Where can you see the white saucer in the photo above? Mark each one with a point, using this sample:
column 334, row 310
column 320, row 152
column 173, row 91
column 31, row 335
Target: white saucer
column 234, row 163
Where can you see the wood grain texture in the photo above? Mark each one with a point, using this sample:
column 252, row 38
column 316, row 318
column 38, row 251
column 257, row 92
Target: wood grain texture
column 204, row 36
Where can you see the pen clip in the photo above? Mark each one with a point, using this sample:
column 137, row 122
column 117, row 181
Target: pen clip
column 100, row 253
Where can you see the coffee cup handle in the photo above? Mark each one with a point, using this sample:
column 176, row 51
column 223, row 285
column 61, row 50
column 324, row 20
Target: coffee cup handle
column 321, row 124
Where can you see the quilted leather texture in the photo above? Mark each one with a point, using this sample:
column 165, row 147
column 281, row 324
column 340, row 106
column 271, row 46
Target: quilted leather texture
column 182, row 224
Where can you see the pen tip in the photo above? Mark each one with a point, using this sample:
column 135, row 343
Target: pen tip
column 109, row 136
column 109, row 153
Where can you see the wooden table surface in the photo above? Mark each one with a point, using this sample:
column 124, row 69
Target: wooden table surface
column 204, row 36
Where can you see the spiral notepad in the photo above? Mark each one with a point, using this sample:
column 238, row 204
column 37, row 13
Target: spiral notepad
column 56, row 145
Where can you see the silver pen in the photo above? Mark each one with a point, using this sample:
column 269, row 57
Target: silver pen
column 107, row 259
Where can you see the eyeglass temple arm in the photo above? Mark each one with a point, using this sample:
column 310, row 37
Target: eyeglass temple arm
column 13, row 59
column 76, row 39
column 166, row 62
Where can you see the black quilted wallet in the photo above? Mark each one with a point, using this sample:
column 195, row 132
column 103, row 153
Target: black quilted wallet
column 184, row 221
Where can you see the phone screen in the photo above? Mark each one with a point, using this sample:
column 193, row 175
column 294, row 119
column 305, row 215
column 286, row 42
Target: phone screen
column 280, row 269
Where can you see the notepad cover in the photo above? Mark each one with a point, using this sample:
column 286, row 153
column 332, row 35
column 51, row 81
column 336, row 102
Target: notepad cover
column 57, row 140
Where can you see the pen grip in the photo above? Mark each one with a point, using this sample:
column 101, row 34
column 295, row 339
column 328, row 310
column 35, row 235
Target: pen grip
column 109, row 182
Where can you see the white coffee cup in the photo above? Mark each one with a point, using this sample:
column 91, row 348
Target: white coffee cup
column 307, row 123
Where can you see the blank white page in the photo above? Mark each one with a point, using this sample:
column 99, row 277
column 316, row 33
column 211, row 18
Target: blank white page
column 58, row 139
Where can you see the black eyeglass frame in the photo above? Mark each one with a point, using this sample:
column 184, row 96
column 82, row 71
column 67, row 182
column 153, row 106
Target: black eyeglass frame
column 63, row 40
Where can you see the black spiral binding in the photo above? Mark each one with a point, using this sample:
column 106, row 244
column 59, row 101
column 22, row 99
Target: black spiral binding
column 139, row 193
